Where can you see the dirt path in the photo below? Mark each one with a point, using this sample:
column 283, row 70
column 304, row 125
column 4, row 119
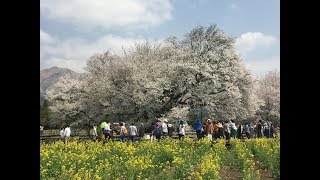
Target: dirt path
column 230, row 173
column 265, row 174
column 234, row 173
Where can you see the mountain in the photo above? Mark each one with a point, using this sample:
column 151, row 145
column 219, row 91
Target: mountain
column 48, row 77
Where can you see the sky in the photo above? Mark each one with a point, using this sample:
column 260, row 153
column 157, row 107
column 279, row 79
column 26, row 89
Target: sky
column 74, row 30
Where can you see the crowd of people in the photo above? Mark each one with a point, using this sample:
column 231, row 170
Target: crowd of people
column 157, row 128
column 207, row 129
column 210, row 129
column 229, row 129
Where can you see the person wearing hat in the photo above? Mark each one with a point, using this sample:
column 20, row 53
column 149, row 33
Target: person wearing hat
column 209, row 129
column 165, row 128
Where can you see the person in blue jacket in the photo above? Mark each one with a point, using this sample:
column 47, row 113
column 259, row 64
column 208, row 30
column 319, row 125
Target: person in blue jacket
column 197, row 127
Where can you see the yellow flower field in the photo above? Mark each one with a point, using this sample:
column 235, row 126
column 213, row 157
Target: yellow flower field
column 167, row 159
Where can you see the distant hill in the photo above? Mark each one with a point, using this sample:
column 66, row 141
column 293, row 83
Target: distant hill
column 48, row 77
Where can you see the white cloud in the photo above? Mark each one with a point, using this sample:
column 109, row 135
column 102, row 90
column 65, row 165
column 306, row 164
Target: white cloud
column 45, row 38
column 108, row 13
column 259, row 67
column 73, row 53
column 250, row 41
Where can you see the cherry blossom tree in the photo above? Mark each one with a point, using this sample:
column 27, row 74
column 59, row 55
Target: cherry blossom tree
column 268, row 90
column 162, row 79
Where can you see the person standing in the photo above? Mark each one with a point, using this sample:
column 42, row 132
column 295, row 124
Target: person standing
column 251, row 129
column 215, row 130
column 170, row 130
column 122, row 132
column 233, row 129
column 267, row 125
column 209, row 129
column 165, row 128
column 226, row 128
column 197, row 127
column 133, row 132
column 102, row 129
column 265, row 129
column 259, row 129
column 67, row 133
column 246, row 130
column 203, row 129
column 220, row 130
column 152, row 126
column 157, row 131
column 62, row 134
column 93, row 133
column 271, row 130
column 106, row 131
column 141, row 131
column 240, row 131
column 181, row 130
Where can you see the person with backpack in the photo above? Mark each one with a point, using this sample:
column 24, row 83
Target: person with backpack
column 197, row 127
column 133, row 132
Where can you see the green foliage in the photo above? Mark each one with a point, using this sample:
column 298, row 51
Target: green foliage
column 44, row 114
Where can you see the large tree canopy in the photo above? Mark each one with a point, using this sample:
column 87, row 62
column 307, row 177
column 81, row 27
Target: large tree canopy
column 167, row 79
